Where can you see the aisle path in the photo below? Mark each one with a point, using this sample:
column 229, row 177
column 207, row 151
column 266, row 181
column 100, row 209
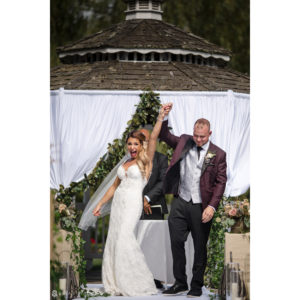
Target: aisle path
column 159, row 296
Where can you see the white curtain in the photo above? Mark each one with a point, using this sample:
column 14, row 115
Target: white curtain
column 82, row 125
column 84, row 122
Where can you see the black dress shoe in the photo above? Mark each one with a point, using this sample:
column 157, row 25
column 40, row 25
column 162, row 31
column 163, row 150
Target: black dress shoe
column 194, row 293
column 158, row 284
column 175, row 290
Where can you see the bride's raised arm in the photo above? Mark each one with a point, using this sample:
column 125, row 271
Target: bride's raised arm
column 156, row 130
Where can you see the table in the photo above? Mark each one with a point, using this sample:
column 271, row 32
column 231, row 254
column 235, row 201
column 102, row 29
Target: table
column 154, row 239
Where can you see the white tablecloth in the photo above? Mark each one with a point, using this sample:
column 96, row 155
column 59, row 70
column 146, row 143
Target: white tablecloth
column 154, row 239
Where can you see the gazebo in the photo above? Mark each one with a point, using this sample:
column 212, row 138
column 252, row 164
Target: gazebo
column 143, row 52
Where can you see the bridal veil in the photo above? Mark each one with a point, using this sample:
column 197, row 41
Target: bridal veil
column 88, row 219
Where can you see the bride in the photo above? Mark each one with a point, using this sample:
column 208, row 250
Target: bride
column 124, row 269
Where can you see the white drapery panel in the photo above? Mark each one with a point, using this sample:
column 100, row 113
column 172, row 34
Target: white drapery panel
column 84, row 122
column 82, row 125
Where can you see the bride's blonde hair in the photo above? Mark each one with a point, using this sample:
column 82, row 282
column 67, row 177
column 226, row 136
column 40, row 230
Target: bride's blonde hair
column 142, row 158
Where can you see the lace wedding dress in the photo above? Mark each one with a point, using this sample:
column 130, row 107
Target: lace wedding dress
column 124, row 269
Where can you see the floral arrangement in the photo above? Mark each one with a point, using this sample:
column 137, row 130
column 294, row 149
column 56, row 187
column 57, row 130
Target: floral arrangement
column 237, row 215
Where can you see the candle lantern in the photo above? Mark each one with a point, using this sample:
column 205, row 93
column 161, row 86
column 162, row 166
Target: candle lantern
column 72, row 284
column 63, row 281
column 231, row 266
column 237, row 285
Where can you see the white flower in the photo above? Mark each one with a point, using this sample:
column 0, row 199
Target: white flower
column 210, row 155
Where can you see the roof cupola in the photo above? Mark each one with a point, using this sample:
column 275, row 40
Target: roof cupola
column 143, row 9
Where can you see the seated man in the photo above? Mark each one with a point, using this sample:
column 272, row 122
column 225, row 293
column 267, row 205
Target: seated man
column 154, row 199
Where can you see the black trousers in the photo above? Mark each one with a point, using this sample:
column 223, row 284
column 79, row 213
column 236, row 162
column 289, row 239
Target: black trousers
column 186, row 217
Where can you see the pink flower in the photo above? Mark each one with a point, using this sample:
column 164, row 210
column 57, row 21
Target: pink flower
column 61, row 207
column 232, row 212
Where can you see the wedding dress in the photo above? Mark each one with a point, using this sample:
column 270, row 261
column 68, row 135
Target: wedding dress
column 124, row 269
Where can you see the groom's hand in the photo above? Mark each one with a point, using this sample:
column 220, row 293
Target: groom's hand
column 207, row 214
column 147, row 207
column 167, row 108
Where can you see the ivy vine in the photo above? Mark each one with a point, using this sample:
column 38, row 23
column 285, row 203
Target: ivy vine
column 215, row 248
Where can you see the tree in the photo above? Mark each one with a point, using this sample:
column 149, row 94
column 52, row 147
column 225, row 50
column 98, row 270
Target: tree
column 106, row 13
column 223, row 22
column 67, row 23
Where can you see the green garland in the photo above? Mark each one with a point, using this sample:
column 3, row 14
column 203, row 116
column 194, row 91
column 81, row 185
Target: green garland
column 215, row 249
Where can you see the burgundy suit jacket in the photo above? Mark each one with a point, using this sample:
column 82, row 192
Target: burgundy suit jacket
column 213, row 174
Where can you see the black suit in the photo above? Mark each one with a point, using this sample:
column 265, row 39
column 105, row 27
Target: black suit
column 154, row 187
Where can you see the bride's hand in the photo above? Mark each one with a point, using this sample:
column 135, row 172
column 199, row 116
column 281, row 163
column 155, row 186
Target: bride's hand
column 97, row 210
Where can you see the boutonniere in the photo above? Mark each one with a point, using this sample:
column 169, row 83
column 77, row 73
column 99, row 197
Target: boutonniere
column 208, row 157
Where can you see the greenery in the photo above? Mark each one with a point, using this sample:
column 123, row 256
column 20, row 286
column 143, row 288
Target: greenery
column 56, row 272
column 223, row 22
column 67, row 23
column 215, row 249
column 88, row 293
column 237, row 214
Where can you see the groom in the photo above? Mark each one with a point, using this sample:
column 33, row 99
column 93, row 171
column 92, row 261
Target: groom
column 197, row 178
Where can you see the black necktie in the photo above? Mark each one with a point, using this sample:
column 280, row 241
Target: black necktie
column 198, row 150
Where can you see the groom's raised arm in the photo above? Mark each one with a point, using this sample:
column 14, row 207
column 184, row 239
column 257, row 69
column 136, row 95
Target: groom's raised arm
column 166, row 136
